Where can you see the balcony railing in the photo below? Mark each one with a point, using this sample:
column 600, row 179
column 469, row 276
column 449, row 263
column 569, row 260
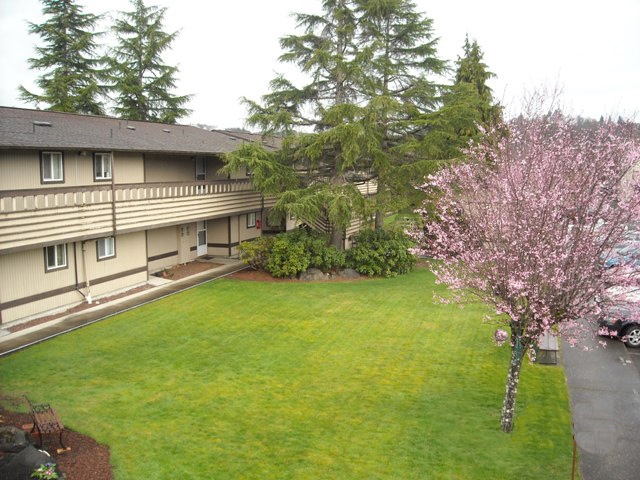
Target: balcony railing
column 39, row 199
column 45, row 216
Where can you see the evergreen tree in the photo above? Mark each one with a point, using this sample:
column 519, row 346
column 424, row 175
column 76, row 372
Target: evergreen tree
column 367, row 62
column 139, row 80
column 466, row 104
column 472, row 70
column 402, row 55
column 333, row 152
column 69, row 83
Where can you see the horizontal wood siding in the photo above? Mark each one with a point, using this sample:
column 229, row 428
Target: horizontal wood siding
column 30, row 218
column 27, row 289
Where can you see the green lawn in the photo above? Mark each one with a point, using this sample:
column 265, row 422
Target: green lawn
column 356, row 380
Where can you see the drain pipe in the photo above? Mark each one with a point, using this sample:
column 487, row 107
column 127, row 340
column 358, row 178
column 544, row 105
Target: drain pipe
column 86, row 272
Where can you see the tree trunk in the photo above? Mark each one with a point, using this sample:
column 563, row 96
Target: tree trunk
column 337, row 237
column 379, row 220
column 513, row 379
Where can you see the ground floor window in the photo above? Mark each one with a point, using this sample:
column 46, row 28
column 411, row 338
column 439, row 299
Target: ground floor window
column 106, row 248
column 251, row 220
column 55, row 257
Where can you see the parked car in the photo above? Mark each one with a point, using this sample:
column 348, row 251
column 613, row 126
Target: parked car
column 623, row 322
column 628, row 255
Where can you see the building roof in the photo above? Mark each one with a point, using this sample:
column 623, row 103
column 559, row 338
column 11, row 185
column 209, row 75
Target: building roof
column 40, row 129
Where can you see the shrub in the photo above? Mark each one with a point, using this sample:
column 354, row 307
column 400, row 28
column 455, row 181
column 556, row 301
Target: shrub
column 256, row 252
column 287, row 257
column 381, row 253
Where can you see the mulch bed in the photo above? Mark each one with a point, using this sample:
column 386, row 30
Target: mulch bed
column 87, row 459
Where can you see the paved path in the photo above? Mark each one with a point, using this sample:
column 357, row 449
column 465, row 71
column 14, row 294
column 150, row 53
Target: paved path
column 604, row 385
column 22, row 339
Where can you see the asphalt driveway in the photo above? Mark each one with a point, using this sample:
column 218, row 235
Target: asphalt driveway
column 604, row 385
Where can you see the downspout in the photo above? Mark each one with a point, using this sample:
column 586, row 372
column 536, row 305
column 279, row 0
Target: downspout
column 229, row 234
column 113, row 193
column 86, row 272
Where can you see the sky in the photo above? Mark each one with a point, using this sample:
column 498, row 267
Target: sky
column 589, row 49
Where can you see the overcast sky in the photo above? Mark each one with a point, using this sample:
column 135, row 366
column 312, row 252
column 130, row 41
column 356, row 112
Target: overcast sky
column 227, row 50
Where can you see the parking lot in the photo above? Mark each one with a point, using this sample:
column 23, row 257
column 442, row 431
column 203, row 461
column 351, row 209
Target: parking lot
column 634, row 355
column 604, row 385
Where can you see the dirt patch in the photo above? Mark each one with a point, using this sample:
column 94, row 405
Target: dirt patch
column 87, row 459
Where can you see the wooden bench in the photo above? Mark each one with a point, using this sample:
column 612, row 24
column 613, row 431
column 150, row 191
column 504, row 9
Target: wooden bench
column 45, row 422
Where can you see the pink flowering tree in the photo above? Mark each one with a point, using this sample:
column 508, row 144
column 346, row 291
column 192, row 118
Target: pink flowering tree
column 525, row 222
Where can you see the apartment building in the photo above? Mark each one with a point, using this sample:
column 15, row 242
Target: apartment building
column 91, row 205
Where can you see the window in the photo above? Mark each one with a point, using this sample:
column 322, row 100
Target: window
column 52, row 167
column 55, row 257
column 102, row 166
column 251, row 220
column 106, row 248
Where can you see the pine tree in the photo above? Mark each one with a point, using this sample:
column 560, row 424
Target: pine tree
column 137, row 77
column 401, row 56
column 69, row 83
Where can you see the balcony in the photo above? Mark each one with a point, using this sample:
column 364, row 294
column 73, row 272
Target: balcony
column 32, row 218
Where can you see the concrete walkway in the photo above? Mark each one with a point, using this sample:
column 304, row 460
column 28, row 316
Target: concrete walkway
column 604, row 385
column 13, row 342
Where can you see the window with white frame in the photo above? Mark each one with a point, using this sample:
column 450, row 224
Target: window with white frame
column 106, row 248
column 52, row 167
column 102, row 166
column 55, row 257
column 251, row 220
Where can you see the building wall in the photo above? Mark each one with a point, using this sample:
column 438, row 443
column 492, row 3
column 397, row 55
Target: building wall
column 218, row 236
column 162, row 248
column 170, row 168
column 26, row 289
column 20, row 170
column 128, row 167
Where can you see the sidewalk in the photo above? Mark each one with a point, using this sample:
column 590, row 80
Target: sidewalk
column 13, row 342
column 604, row 387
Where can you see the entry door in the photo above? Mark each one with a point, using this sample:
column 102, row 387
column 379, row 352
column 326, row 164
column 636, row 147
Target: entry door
column 201, row 232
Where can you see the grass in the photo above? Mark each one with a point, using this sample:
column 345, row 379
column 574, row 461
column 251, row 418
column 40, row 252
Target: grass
column 242, row 380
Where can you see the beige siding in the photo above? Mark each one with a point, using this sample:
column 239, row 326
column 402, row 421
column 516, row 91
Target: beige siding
column 162, row 242
column 218, row 237
column 27, row 290
column 213, row 165
column 32, row 219
column 245, row 233
column 130, row 255
column 128, row 167
column 21, row 170
column 170, row 168
column 23, row 275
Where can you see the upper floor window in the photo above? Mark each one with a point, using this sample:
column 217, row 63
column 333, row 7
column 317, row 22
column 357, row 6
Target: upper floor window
column 106, row 248
column 52, row 167
column 55, row 257
column 251, row 220
column 102, row 166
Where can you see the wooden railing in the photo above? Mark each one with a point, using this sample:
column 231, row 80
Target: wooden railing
column 30, row 218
